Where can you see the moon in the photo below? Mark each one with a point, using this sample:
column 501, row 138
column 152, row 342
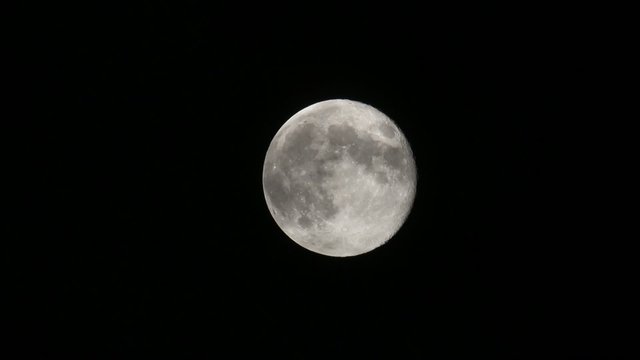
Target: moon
column 339, row 178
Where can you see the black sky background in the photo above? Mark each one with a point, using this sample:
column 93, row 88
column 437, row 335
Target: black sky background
column 146, row 231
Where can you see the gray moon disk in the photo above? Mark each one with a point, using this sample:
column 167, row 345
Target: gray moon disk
column 339, row 178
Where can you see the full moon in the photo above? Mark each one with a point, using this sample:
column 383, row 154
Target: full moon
column 339, row 178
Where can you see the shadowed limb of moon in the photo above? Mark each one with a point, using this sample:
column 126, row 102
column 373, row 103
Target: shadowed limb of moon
column 339, row 178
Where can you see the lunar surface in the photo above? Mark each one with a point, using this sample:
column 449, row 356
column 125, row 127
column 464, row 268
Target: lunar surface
column 339, row 178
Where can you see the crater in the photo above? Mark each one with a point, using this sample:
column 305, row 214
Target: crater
column 381, row 177
column 304, row 221
column 387, row 130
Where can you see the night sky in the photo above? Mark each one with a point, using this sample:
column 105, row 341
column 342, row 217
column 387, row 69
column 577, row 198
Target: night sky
column 146, row 230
